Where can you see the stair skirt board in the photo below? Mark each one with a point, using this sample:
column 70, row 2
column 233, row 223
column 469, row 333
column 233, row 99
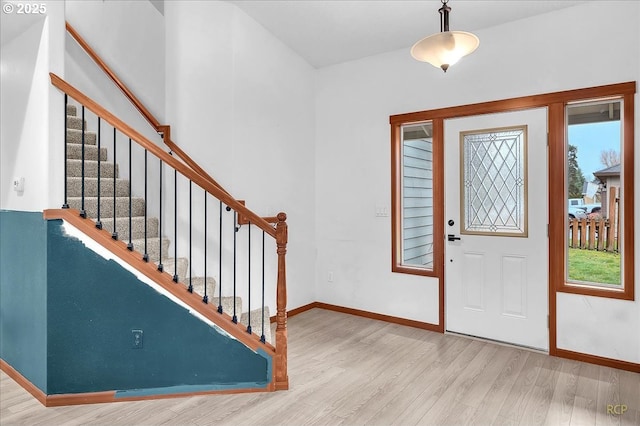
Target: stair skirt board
column 61, row 400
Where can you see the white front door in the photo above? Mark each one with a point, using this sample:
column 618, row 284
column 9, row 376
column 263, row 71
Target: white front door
column 496, row 203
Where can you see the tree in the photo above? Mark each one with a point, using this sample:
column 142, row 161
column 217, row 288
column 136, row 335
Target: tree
column 609, row 157
column 576, row 178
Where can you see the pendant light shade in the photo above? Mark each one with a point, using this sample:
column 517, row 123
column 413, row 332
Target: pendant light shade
column 446, row 47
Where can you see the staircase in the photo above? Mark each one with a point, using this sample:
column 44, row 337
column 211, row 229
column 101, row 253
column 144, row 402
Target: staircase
column 116, row 220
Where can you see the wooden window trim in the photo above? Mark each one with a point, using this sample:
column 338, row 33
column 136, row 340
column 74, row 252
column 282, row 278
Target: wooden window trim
column 555, row 102
column 438, row 201
column 557, row 139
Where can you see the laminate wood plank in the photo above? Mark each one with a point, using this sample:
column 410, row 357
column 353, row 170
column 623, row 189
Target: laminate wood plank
column 584, row 408
column 489, row 408
column 562, row 403
column 537, row 408
column 433, row 390
column 455, row 395
column 630, row 390
column 630, row 418
column 387, row 403
column 608, row 394
column 520, row 393
column 376, row 373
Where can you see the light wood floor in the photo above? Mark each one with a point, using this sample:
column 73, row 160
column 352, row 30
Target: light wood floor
column 347, row 370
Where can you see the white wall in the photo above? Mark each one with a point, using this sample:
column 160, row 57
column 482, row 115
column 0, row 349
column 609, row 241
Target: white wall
column 242, row 105
column 129, row 37
column 571, row 48
column 32, row 46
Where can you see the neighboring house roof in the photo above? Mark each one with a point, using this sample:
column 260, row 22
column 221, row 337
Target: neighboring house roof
column 609, row 171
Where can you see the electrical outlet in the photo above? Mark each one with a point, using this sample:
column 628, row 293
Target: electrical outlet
column 137, row 339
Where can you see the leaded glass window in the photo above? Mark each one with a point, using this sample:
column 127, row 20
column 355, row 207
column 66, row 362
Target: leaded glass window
column 494, row 182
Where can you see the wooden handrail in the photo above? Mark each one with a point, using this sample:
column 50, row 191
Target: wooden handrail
column 141, row 140
column 163, row 129
column 136, row 102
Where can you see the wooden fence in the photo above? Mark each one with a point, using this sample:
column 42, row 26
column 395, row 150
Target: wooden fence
column 598, row 233
column 592, row 234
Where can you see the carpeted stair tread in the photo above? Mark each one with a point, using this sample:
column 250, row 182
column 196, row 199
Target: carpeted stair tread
column 75, row 136
column 106, row 206
column 74, row 187
column 153, row 245
column 137, row 223
column 169, row 265
column 74, row 151
column 74, row 169
column 72, row 110
column 256, row 322
column 227, row 304
column 75, row 122
column 198, row 285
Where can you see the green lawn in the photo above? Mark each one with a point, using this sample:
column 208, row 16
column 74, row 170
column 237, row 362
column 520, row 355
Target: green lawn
column 594, row 266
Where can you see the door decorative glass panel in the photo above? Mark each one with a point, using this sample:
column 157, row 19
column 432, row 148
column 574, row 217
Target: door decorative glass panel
column 494, row 181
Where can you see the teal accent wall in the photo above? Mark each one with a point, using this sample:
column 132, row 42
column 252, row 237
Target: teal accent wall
column 67, row 316
column 94, row 304
column 23, row 294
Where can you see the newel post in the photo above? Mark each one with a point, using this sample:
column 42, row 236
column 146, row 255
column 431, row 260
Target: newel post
column 282, row 378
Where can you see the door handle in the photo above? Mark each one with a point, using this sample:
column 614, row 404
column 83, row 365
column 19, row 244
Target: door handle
column 452, row 237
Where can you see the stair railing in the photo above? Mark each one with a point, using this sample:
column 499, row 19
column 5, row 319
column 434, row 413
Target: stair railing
column 279, row 232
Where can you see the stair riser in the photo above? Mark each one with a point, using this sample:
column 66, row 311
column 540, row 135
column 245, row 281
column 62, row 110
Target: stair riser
column 74, row 151
column 72, row 110
column 74, row 187
column 75, row 136
column 106, row 206
column 75, row 122
column 137, row 223
column 74, row 169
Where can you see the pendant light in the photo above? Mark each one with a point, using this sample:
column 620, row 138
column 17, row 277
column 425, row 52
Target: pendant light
column 446, row 47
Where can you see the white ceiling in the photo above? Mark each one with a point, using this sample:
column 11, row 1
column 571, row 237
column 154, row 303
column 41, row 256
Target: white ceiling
column 326, row 32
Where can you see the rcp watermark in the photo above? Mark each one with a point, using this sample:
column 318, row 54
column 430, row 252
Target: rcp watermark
column 23, row 8
column 617, row 409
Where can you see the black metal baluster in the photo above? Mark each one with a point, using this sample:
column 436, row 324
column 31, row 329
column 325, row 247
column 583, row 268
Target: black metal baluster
column 145, row 256
column 175, row 225
column 190, row 289
column 114, row 234
column 235, row 231
column 220, row 262
column 160, row 267
column 83, row 212
column 130, row 245
column 65, row 205
column 262, row 338
column 98, row 222
column 249, row 279
column 205, row 298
